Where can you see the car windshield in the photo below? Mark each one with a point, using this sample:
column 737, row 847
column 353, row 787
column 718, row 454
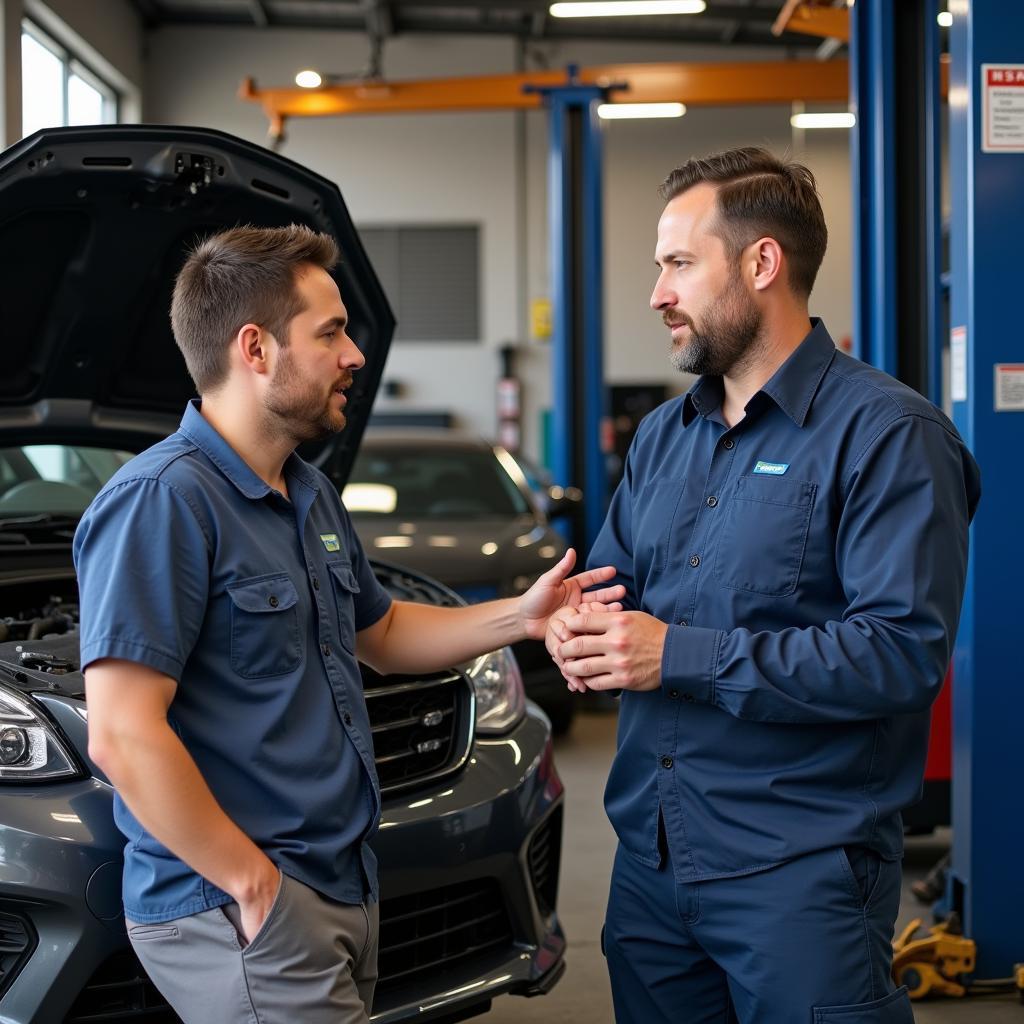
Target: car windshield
column 53, row 479
column 421, row 483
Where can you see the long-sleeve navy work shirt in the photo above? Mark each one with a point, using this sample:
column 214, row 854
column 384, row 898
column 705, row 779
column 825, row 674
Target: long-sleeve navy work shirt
column 810, row 562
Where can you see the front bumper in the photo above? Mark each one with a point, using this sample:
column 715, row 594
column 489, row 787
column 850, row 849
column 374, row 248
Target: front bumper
column 494, row 828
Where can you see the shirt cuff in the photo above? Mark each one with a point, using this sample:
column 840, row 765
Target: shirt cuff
column 689, row 662
column 130, row 650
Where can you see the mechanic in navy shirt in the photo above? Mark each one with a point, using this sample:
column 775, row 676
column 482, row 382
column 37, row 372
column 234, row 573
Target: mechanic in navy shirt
column 225, row 601
column 792, row 536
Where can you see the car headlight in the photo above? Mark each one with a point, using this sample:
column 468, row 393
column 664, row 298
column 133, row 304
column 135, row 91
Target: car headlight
column 30, row 749
column 500, row 700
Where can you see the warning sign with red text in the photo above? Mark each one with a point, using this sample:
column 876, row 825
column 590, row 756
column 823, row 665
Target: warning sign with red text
column 1002, row 90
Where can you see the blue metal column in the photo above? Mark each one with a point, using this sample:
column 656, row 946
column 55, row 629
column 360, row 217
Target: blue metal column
column 595, row 486
column 575, row 238
column 988, row 701
column 873, row 184
column 933, row 280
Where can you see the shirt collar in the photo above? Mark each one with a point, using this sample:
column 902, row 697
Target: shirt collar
column 201, row 433
column 792, row 387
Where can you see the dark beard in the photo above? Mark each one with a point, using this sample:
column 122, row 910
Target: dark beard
column 726, row 337
column 297, row 408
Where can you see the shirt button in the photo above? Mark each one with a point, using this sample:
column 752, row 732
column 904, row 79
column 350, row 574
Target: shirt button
column 695, row 560
column 274, row 601
column 729, row 443
column 712, row 501
column 683, row 622
column 347, row 718
column 666, row 762
column 673, row 694
column 316, row 583
column 326, row 648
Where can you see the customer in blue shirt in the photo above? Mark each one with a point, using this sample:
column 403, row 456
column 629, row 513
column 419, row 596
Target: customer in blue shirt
column 225, row 601
column 792, row 536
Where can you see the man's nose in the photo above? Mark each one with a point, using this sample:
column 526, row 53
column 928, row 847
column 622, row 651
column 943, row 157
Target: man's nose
column 662, row 297
column 351, row 357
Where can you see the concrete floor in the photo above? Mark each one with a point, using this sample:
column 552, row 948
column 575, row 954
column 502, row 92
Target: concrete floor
column 583, row 995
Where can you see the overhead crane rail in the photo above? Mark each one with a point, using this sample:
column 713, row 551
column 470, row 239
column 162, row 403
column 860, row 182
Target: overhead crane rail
column 706, row 84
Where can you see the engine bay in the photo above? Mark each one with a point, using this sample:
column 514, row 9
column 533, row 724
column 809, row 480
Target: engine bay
column 39, row 639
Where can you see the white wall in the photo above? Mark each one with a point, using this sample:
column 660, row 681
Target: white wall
column 461, row 168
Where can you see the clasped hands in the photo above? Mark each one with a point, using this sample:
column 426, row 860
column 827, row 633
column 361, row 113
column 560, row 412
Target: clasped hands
column 595, row 644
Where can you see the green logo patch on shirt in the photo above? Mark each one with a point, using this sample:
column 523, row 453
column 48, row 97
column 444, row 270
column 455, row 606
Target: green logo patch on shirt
column 331, row 541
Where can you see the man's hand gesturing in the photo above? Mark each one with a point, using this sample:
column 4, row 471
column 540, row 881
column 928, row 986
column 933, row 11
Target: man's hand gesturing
column 556, row 589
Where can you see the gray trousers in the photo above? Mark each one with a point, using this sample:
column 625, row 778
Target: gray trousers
column 313, row 961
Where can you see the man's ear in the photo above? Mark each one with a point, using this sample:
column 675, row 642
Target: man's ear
column 252, row 347
column 766, row 261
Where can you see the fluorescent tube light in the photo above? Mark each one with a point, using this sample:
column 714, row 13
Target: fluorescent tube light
column 616, row 111
column 836, row 120
column 945, row 19
column 308, row 79
column 628, row 8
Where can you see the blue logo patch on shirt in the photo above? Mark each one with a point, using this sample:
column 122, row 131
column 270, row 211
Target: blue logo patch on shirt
column 771, row 468
column 331, row 541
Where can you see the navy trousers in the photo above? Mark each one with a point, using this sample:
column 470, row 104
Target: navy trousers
column 807, row 942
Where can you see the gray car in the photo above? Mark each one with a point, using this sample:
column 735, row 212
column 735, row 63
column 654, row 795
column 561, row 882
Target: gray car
column 469, row 845
column 461, row 509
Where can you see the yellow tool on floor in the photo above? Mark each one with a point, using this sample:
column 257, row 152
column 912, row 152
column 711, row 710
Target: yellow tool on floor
column 1018, row 980
column 935, row 964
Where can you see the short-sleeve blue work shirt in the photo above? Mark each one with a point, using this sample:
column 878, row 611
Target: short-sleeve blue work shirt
column 190, row 564
column 810, row 562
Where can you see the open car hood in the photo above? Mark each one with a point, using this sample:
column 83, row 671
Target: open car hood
column 95, row 223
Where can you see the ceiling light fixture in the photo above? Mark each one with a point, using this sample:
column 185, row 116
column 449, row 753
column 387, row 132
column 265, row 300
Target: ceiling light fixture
column 622, row 111
column 309, row 79
column 836, row 120
column 626, row 8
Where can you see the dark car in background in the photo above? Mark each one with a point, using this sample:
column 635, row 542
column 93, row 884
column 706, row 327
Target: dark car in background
column 99, row 220
column 461, row 510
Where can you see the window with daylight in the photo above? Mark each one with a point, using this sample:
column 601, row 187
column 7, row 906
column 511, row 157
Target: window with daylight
column 431, row 276
column 57, row 89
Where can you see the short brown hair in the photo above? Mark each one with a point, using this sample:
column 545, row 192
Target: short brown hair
column 239, row 276
column 761, row 196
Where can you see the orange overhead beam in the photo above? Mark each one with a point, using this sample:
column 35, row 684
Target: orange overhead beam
column 813, row 19
column 694, row 84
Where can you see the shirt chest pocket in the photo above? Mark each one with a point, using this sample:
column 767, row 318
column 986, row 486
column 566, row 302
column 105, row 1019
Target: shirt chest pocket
column 346, row 586
column 654, row 520
column 265, row 639
column 764, row 535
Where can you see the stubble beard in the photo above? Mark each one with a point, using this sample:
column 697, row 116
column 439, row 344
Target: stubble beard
column 728, row 335
column 295, row 408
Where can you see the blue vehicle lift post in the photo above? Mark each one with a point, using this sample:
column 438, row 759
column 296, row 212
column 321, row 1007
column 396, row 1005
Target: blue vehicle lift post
column 987, row 877
column 575, row 242
column 894, row 93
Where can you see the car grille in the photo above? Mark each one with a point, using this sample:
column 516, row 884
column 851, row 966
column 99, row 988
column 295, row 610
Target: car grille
column 120, row 991
column 544, row 855
column 17, row 940
column 428, row 932
column 422, row 727
column 419, row 935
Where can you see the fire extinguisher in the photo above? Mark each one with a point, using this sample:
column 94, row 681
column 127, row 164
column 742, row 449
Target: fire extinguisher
column 509, row 405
